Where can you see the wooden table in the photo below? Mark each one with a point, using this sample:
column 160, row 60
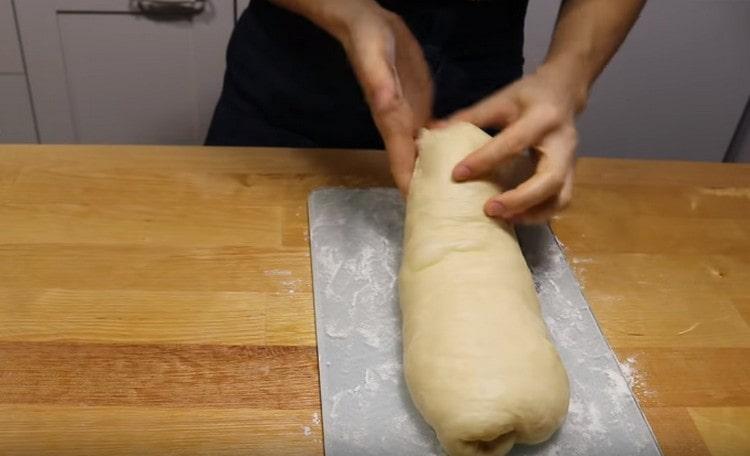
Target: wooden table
column 157, row 300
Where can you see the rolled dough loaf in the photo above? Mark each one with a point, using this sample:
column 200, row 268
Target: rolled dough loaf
column 477, row 359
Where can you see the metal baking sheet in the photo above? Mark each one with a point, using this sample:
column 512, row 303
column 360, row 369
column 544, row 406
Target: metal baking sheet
column 355, row 236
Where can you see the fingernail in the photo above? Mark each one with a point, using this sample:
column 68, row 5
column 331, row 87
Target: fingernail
column 462, row 172
column 495, row 209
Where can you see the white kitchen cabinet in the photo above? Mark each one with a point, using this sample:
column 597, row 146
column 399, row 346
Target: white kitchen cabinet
column 107, row 72
column 16, row 115
column 10, row 51
column 676, row 89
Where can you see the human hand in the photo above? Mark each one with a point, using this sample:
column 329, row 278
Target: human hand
column 391, row 69
column 396, row 81
column 537, row 112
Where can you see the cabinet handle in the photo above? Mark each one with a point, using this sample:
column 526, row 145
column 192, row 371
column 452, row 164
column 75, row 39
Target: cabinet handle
column 171, row 7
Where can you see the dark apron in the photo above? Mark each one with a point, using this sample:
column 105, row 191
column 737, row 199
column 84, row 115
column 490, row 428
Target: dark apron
column 288, row 83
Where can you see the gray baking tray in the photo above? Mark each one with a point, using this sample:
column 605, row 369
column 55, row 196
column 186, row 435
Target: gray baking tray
column 355, row 237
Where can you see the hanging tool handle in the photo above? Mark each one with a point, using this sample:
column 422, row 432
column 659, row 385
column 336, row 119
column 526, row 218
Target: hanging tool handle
column 172, row 7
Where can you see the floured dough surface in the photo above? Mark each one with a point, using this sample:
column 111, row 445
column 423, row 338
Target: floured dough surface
column 477, row 358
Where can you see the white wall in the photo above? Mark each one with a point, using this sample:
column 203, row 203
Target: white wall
column 676, row 89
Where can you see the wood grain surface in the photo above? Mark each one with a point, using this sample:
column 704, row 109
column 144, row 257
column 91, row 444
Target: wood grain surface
column 662, row 251
column 158, row 300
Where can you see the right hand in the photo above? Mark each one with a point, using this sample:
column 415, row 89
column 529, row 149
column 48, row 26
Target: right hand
column 391, row 69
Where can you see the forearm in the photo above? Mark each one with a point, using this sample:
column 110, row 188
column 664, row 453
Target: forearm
column 586, row 36
column 333, row 16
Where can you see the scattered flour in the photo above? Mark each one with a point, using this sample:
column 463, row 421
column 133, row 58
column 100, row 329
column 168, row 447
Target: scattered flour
column 371, row 381
column 277, row 272
column 736, row 192
column 291, row 286
column 335, row 332
column 617, row 388
column 694, row 202
column 338, row 397
column 595, row 420
column 690, row 329
column 582, row 260
column 636, row 379
column 370, row 333
column 628, row 370
column 390, row 371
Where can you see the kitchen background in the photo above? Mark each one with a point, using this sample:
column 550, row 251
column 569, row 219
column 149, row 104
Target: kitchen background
column 96, row 71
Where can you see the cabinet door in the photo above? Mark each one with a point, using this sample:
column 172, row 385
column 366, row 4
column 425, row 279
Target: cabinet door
column 16, row 117
column 10, row 52
column 676, row 89
column 107, row 72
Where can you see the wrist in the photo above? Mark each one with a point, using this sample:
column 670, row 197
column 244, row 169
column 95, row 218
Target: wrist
column 571, row 78
column 340, row 17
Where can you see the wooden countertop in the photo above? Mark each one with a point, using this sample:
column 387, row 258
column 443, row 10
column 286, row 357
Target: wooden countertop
column 157, row 300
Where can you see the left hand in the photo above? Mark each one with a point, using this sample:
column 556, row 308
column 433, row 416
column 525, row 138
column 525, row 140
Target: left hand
column 396, row 82
column 536, row 112
column 390, row 67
